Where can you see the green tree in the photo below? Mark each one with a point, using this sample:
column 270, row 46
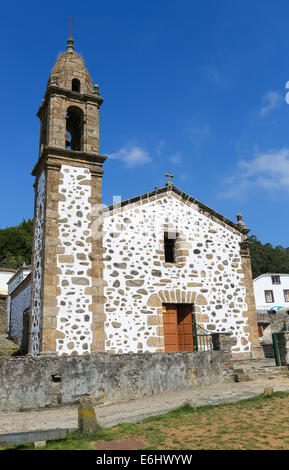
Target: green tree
column 16, row 245
column 267, row 259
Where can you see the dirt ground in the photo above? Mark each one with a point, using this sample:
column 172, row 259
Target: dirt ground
column 257, row 424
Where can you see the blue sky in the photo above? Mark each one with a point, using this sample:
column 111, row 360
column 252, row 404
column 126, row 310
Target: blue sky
column 193, row 87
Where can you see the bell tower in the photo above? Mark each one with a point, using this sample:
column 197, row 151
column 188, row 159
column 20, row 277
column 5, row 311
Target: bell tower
column 67, row 305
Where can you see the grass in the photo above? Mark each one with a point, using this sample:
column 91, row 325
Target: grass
column 261, row 422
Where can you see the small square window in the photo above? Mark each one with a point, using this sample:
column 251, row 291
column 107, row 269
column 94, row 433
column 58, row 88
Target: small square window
column 286, row 295
column 275, row 279
column 269, row 298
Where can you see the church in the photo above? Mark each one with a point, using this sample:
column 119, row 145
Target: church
column 135, row 277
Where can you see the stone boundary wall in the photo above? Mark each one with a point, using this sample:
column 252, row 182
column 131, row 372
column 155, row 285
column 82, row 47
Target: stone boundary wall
column 51, row 381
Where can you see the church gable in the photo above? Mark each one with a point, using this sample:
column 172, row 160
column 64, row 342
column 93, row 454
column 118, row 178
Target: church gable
column 142, row 282
column 181, row 196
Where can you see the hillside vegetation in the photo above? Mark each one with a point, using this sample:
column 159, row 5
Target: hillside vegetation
column 16, row 249
column 267, row 259
column 16, row 245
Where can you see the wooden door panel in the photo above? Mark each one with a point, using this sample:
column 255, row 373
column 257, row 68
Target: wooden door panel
column 185, row 328
column 170, row 328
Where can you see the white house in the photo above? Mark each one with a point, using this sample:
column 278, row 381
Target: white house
column 18, row 305
column 5, row 276
column 272, row 292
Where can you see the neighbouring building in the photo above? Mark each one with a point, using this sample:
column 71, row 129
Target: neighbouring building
column 5, row 275
column 18, row 307
column 132, row 277
column 271, row 292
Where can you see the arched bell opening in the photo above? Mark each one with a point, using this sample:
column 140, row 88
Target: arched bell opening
column 75, row 85
column 74, row 128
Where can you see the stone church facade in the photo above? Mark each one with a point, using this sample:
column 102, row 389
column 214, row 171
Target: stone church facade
column 132, row 277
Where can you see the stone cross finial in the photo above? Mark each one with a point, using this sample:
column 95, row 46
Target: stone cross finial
column 70, row 46
column 54, row 80
column 96, row 89
column 70, row 21
column 169, row 176
column 240, row 222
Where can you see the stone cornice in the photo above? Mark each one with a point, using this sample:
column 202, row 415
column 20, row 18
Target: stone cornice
column 72, row 95
column 53, row 158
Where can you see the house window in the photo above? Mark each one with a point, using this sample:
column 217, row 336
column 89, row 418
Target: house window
column 170, row 247
column 286, row 295
column 275, row 279
column 269, row 296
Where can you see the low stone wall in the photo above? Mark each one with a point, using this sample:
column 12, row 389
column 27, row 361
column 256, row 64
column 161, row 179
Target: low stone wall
column 52, row 381
column 268, row 350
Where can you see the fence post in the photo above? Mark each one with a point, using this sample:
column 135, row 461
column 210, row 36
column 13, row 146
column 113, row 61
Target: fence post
column 283, row 346
column 196, row 346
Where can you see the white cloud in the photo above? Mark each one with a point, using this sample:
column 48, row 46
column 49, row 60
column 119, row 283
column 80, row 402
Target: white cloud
column 271, row 100
column 176, row 158
column 132, row 155
column 267, row 171
column 159, row 147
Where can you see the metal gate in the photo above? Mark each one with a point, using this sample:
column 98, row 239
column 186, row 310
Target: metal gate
column 202, row 338
column 276, row 349
column 276, row 345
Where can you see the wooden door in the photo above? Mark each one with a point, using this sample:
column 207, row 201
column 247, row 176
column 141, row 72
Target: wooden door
column 170, row 319
column 178, row 328
column 185, row 328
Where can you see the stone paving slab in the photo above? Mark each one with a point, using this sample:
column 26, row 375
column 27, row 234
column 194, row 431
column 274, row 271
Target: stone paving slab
column 137, row 409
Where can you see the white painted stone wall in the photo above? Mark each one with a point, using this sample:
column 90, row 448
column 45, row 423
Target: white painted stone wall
column 14, row 282
column 18, row 304
column 74, row 319
column 38, row 268
column 135, row 269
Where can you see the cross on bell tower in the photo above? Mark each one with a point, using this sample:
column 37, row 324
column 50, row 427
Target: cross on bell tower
column 70, row 21
column 67, row 281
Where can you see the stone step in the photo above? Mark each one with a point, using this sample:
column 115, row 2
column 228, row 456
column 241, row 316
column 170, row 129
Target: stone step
column 252, row 369
column 244, row 375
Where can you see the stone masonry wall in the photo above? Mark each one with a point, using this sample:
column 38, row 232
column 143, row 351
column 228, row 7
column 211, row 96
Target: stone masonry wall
column 74, row 318
column 52, row 381
column 19, row 303
column 208, row 274
column 37, row 272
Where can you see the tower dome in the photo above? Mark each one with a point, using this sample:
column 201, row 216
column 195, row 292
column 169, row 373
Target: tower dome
column 70, row 72
column 69, row 112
